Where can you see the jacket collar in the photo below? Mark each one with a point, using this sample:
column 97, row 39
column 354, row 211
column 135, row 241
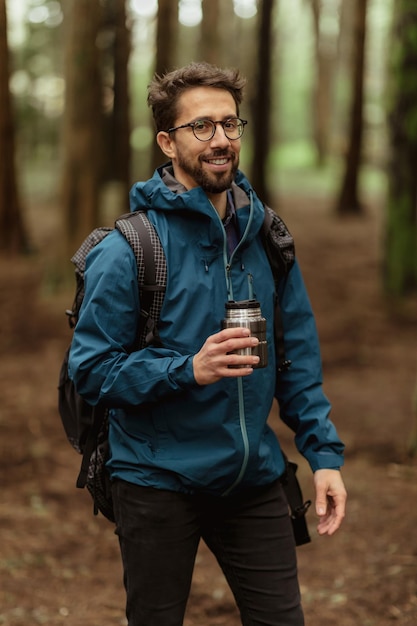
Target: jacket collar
column 163, row 192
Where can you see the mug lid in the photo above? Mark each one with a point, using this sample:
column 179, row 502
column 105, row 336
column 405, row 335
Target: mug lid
column 242, row 304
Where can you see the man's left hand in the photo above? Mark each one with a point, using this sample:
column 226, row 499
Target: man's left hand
column 330, row 500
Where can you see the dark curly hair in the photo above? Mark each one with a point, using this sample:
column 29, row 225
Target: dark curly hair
column 164, row 91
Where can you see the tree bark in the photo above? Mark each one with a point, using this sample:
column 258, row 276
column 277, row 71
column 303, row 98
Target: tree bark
column 82, row 122
column 261, row 102
column 348, row 201
column 210, row 48
column 322, row 97
column 400, row 265
column 13, row 238
column 119, row 154
column 166, row 53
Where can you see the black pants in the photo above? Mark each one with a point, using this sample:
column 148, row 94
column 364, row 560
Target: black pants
column 250, row 535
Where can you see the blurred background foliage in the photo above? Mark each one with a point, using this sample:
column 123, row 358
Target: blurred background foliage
column 331, row 104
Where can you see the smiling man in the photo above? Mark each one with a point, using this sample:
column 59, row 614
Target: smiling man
column 191, row 453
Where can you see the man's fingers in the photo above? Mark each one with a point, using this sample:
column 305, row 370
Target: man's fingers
column 330, row 500
column 218, row 358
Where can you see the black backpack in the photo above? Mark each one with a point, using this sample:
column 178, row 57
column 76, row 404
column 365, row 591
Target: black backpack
column 86, row 427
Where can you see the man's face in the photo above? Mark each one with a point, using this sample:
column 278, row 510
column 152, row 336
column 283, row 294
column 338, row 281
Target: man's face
column 209, row 164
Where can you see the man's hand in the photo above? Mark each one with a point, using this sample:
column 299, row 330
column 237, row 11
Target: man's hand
column 330, row 500
column 212, row 362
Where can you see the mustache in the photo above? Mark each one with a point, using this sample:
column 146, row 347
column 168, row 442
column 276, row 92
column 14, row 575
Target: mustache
column 230, row 154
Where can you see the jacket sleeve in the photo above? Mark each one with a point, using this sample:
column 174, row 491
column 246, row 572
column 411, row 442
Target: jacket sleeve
column 303, row 404
column 102, row 363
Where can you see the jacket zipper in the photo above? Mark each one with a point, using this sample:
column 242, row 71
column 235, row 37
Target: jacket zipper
column 228, row 262
column 229, row 286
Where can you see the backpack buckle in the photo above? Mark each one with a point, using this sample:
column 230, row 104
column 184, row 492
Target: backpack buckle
column 72, row 317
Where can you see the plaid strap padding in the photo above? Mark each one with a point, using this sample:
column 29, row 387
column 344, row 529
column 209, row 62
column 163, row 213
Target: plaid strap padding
column 87, row 245
column 152, row 271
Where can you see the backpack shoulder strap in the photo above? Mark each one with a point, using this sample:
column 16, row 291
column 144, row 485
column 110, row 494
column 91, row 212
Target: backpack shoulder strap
column 279, row 248
column 152, row 272
column 278, row 243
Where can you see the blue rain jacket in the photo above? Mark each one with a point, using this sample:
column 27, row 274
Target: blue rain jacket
column 166, row 431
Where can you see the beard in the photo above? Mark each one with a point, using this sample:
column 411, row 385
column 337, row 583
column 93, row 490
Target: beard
column 210, row 182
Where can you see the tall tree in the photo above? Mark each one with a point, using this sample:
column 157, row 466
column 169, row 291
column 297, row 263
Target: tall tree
column 261, row 100
column 401, row 227
column 348, row 201
column 13, row 238
column 325, row 48
column 231, row 33
column 210, row 48
column 82, row 120
column 166, row 53
column 115, row 71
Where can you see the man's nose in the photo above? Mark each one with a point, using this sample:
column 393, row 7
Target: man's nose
column 219, row 137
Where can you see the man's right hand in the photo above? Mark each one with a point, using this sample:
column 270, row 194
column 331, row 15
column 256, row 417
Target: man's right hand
column 214, row 359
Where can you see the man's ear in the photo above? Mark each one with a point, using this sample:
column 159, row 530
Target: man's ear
column 166, row 144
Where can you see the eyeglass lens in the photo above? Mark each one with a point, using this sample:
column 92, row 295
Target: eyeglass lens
column 205, row 129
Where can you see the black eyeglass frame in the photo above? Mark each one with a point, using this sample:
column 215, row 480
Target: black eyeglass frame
column 214, row 123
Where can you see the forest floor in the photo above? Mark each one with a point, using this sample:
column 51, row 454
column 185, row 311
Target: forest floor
column 60, row 565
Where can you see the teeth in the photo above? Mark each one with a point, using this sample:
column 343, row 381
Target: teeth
column 218, row 161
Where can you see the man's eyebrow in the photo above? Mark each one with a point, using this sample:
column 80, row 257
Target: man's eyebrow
column 211, row 119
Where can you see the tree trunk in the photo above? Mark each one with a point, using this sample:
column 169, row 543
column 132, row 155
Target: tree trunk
column 233, row 37
column 348, row 201
column 210, row 48
column 400, row 275
column 119, row 153
column 82, row 122
column 166, row 52
column 261, row 102
column 13, row 239
column 322, row 97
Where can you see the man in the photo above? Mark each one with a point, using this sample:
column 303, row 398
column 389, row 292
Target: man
column 192, row 455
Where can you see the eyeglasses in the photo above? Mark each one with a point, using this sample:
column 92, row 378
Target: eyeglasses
column 204, row 130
